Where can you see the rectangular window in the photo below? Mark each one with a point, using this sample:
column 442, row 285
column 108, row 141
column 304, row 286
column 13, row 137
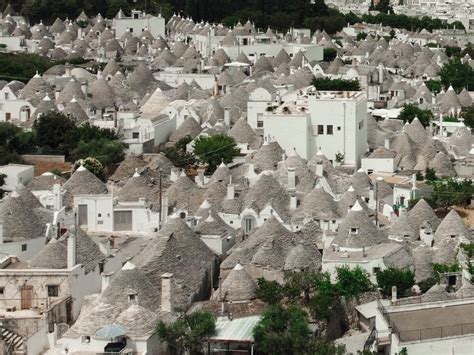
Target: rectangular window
column 53, row 290
column 2, row 290
column 375, row 270
column 135, row 135
column 259, row 124
column 338, row 128
column 131, row 29
column 7, row 96
column 23, row 247
column 329, row 129
column 361, row 124
column 320, row 129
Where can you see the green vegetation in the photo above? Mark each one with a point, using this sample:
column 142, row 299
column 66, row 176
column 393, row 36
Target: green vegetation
column 430, row 174
column 459, row 75
column 434, row 85
column 353, row 282
column 403, row 279
column 22, row 66
column 277, row 14
column 329, row 54
column 93, row 165
column 285, row 330
column 468, row 115
column 452, row 192
column 410, row 111
column 336, row 84
column 54, row 133
column 187, row 333
column 178, row 154
column 214, row 150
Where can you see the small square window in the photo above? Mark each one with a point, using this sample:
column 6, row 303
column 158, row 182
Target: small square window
column 329, row 129
column 53, row 290
column 354, row 231
column 259, row 124
column 85, row 339
column 375, row 270
column 99, row 215
column 135, row 135
column 320, row 129
column 338, row 128
column 24, row 247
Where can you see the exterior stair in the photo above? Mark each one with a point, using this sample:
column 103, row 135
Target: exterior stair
column 15, row 341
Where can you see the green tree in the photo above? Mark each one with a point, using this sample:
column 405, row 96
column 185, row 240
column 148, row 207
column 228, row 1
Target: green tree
column 459, row 75
column 269, row 291
column 410, row 111
column 468, row 115
column 214, row 150
column 430, row 174
column 352, row 283
column 327, row 84
column 403, row 279
column 329, row 54
column 188, row 332
column 434, row 85
column 106, row 151
column 52, row 131
column 452, row 192
column 282, row 331
column 178, row 154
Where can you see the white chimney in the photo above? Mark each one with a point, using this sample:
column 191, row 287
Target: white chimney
column 199, row 179
column 164, row 209
column 68, row 71
column 230, row 191
column 319, row 169
column 388, row 143
column 175, row 172
column 291, row 179
column 227, row 116
column 71, row 251
column 293, row 202
column 413, row 182
column 106, row 276
column 84, row 88
column 104, row 247
column 394, row 294
column 58, row 199
column 166, row 292
column 56, row 95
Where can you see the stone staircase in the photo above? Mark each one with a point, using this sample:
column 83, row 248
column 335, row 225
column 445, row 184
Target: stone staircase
column 15, row 341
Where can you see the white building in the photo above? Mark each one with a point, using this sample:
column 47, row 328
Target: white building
column 137, row 23
column 331, row 122
column 16, row 175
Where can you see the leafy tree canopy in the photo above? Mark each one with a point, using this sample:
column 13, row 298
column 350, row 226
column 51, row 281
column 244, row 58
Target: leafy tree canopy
column 329, row 54
column 188, row 332
column 214, row 150
column 459, row 75
column 336, row 84
column 410, row 111
column 353, row 282
column 452, row 192
column 403, row 279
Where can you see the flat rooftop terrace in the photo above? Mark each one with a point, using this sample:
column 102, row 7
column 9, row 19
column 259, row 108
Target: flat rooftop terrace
column 434, row 323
